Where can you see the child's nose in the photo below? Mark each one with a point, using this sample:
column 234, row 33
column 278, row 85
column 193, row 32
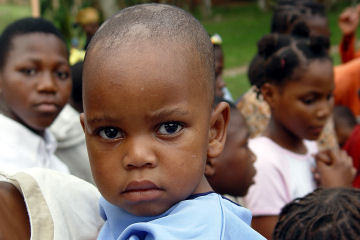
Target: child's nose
column 325, row 110
column 46, row 83
column 140, row 154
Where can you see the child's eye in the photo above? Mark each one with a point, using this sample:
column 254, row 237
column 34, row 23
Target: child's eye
column 110, row 133
column 62, row 75
column 170, row 128
column 28, row 71
column 308, row 100
column 329, row 97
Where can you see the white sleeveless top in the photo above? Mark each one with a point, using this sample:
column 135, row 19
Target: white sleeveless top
column 60, row 206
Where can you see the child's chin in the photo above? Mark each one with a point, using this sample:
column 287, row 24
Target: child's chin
column 146, row 210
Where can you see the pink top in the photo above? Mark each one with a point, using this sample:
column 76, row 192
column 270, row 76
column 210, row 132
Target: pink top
column 281, row 176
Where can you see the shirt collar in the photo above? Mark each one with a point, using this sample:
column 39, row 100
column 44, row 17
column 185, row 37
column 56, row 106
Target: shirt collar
column 18, row 133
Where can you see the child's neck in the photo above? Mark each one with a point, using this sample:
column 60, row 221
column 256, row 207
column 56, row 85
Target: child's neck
column 282, row 136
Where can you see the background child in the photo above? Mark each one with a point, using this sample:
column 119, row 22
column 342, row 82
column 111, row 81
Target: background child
column 332, row 213
column 35, row 84
column 89, row 20
column 297, row 84
column 220, row 85
column 233, row 170
column 297, row 18
column 348, row 133
column 150, row 126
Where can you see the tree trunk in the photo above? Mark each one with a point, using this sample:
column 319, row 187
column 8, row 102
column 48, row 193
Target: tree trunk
column 205, row 8
column 108, row 7
column 264, row 4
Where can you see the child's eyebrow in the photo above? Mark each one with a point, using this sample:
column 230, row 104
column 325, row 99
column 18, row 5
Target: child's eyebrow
column 60, row 61
column 95, row 120
column 162, row 113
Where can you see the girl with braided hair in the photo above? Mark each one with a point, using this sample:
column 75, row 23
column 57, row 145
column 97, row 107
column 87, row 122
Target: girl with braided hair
column 296, row 81
column 332, row 213
column 302, row 19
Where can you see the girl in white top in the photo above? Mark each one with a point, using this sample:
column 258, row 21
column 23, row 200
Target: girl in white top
column 35, row 84
column 297, row 83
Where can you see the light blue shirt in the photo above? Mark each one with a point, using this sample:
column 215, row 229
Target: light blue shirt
column 204, row 216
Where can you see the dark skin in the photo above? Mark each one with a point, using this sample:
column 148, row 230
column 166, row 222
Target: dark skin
column 14, row 220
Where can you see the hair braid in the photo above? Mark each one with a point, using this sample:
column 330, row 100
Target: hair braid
column 332, row 213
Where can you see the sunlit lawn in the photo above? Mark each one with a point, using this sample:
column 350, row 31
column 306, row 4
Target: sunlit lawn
column 9, row 13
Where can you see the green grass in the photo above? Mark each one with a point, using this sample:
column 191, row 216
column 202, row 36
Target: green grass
column 9, row 13
column 237, row 84
column 240, row 27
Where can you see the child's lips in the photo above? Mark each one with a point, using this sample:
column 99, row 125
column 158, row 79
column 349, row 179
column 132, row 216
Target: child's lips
column 317, row 129
column 47, row 107
column 145, row 190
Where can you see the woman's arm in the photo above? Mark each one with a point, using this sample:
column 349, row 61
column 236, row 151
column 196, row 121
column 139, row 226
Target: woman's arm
column 14, row 220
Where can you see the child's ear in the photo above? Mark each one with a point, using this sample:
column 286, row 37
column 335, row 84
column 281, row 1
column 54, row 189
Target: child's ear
column 270, row 93
column 210, row 167
column 82, row 121
column 218, row 125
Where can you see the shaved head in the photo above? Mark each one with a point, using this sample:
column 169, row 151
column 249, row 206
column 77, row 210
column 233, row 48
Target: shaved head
column 165, row 27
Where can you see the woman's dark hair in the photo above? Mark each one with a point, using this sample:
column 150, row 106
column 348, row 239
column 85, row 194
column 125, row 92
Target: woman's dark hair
column 280, row 55
column 331, row 213
column 21, row 27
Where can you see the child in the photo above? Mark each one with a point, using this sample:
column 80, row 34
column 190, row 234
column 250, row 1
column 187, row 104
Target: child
column 233, row 170
column 323, row 214
column 35, row 84
column 150, row 126
column 297, row 18
column 348, row 133
column 297, row 84
column 220, row 86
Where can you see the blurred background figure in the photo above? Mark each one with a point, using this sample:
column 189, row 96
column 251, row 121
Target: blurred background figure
column 89, row 19
column 232, row 172
column 220, row 85
column 348, row 133
column 348, row 23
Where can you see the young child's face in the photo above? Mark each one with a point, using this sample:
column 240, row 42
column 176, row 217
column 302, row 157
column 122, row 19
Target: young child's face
column 233, row 169
column 303, row 105
column 342, row 133
column 146, row 120
column 35, row 81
